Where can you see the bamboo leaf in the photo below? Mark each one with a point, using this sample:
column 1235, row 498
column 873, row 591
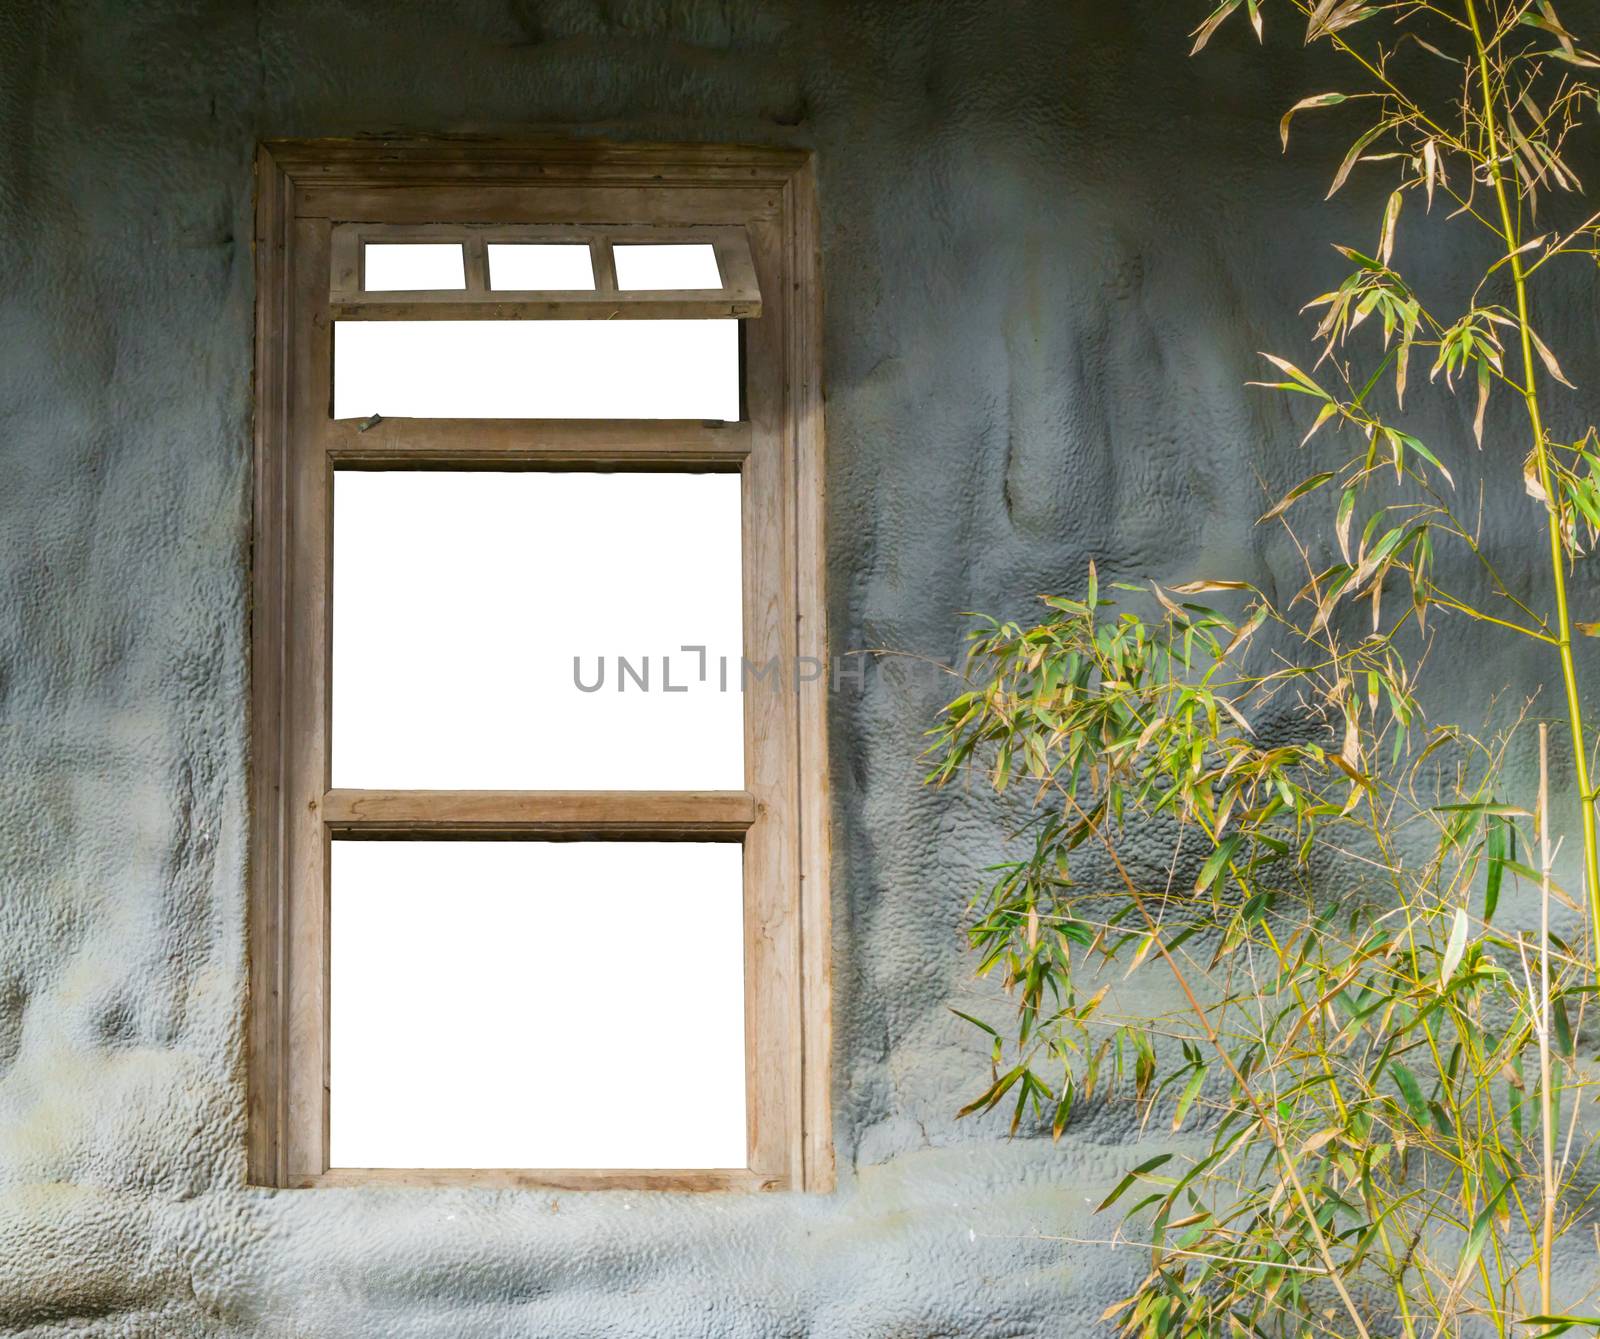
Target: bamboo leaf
column 1143, row 1169
column 977, row 1023
column 1305, row 104
column 1480, row 1232
column 1323, row 415
column 1191, row 1090
column 1456, row 946
column 1483, row 401
column 992, row 1095
column 1353, row 157
column 1430, row 168
column 1410, row 1089
column 1216, row 861
column 1391, row 219
column 1201, row 587
column 1561, row 1324
column 1204, row 32
column 1301, row 380
column 1151, row 939
column 1548, row 359
column 1300, row 489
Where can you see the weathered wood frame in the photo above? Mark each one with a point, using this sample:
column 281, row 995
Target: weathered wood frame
column 305, row 188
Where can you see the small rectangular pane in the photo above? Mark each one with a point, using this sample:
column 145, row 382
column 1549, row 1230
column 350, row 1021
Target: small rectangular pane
column 413, row 266
column 527, row 631
column 537, row 1004
column 666, row 265
column 537, row 369
column 540, row 267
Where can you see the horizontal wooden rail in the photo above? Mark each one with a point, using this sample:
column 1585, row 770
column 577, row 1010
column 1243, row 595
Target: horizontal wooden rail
column 595, row 443
column 571, row 1179
column 683, row 305
column 600, row 813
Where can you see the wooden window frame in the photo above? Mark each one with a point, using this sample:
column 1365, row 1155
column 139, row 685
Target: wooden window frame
column 305, row 189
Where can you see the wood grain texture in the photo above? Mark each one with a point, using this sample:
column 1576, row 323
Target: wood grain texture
column 305, row 762
column 548, row 160
column 676, row 813
column 804, row 385
column 520, row 1178
column 267, row 916
column 546, row 444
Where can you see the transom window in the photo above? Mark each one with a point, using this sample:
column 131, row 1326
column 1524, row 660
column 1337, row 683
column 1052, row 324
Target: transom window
column 539, row 836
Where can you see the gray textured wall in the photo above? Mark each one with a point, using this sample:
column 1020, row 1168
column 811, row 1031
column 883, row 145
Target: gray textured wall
column 1052, row 245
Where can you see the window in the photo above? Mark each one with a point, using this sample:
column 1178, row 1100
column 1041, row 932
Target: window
column 539, row 818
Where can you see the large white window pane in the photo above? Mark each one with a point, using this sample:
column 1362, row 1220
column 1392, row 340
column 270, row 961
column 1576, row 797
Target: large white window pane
column 392, row 266
column 537, row 369
column 460, row 600
column 666, row 265
column 540, row 266
column 537, row 1004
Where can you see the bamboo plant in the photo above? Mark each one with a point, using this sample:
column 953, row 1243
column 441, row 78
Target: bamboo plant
column 1368, row 1074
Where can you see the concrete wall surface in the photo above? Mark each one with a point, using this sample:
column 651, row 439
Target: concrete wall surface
column 1052, row 245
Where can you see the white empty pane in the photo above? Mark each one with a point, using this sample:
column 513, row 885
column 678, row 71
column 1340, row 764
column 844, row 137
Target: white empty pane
column 540, row 266
column 392, row 266
column 667, row 265
column 537, row 369
column 472, row 611
column 537, row 1004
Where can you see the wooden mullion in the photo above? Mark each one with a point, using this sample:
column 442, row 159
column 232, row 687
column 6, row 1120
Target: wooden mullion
column 617, row 443
column 804, row 418
column 556, row 1178
column 475, row 260
column 268, row 921
column 448, row 305
column 685, row 815
column 605, row 265
column 305, row 761
column 771, row 876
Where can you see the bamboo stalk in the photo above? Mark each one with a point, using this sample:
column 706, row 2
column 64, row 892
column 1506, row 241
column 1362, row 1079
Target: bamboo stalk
column 1546, row 1115
column 1530, row 396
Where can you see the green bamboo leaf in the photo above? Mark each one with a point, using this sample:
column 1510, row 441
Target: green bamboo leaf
column 1190, row 1092
column 1307, row 486
column 1410, row 1089
column 1143, row 1169
column 1561, row 1324
column 992, row 1095
column 1563, row 1027
column 1497, row 847
column 1216, row 861
column 1533, row 876
column 977, row 1023
column 1479, row 1235
column 1301, row 382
